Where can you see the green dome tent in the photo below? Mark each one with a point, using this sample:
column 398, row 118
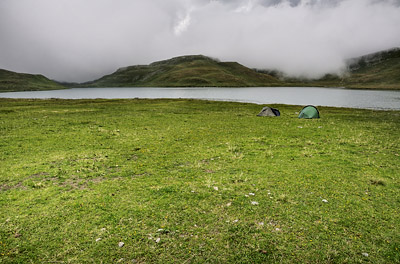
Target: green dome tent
column 309, row 111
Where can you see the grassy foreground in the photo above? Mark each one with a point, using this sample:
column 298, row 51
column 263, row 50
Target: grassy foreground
column 185, row 181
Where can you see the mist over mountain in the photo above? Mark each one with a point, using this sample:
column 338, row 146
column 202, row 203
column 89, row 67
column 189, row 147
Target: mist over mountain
column 82, row 40
column 379, row 70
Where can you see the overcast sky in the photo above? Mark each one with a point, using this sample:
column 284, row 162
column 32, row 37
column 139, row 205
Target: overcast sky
column 81, row 40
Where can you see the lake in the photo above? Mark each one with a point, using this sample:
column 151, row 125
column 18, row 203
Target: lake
column 338, row 97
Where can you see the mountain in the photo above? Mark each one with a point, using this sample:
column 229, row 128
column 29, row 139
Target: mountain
column 376, row 70
column 379, row 70
column 13, row 82
column 195, row 71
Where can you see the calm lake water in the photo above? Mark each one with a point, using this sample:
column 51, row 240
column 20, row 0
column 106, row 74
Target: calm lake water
column 338, row 97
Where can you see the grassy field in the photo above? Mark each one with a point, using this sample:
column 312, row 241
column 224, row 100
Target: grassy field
column 186, row 181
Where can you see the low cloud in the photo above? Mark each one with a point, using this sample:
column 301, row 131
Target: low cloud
column 80, row 40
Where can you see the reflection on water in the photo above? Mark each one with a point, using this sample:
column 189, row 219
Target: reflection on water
column 372, row 99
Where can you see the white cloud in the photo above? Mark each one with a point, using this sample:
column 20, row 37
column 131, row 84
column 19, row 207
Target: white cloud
column 80, row 40
column 183, row 24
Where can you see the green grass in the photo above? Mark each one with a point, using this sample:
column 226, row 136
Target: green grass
column 13, row 82
column 186, row 181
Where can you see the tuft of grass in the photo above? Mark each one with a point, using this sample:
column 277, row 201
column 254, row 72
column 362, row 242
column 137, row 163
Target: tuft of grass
column 187, row 181
column 283, row 198
column 378, row 182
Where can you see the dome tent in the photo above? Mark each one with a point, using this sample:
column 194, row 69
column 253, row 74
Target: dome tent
column 308, row 112
column 269, row 111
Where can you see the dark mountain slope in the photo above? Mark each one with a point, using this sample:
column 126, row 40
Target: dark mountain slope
column 377, row 70
column 13, row 81
column 196, row 71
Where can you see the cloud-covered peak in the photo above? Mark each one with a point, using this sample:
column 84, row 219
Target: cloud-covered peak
column 80, row 40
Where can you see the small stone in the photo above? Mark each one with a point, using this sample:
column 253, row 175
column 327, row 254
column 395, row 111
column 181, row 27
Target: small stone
column 252, row 194
column 97, row 240
column 324, row 200
column 158, row 240
column 365, row 254
column 121, row 244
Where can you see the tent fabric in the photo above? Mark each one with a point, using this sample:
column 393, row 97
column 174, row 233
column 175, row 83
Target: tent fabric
column 309, row 111
column 268, row 111
column 276, row 112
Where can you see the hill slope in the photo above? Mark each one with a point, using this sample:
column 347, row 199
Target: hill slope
column 380, row 70
column 377, row 70
column 196, row 71
column 13, row 82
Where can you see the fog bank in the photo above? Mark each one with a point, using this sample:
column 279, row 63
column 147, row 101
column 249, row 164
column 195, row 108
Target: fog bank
column 81, row 40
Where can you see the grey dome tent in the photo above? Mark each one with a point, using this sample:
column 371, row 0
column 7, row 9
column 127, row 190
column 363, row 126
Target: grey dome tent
column 309, row 111
column 269, row 111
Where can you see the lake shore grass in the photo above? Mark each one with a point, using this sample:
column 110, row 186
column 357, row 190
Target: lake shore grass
column 190, row 181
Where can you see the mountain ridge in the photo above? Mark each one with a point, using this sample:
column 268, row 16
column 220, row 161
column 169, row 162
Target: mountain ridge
column 379, row 70
column 13, row 81
column 188, row 70
column 376, row 70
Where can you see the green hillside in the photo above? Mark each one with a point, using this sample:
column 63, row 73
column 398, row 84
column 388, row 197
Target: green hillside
column 377, row 70
column 196, row 71
column 13, row 82
column 380, row 70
